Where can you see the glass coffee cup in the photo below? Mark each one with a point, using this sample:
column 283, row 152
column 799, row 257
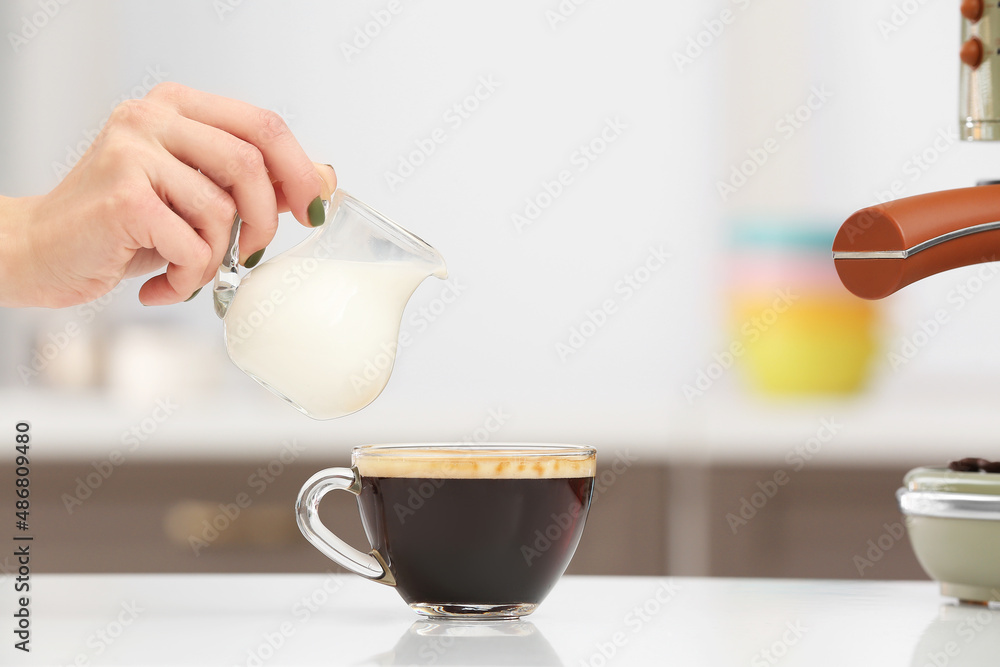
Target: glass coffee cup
column 467, row 531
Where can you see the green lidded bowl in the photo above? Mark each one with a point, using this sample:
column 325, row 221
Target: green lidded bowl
column 953, row 519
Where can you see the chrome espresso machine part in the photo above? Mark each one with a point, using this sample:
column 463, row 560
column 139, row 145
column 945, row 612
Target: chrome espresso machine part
column 979, row 102
column 883, row 248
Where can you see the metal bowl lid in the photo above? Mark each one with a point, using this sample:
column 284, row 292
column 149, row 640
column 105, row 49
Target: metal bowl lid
column 938, row 492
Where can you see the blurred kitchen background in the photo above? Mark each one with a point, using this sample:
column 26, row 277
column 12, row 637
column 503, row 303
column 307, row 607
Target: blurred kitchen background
column 752, row 418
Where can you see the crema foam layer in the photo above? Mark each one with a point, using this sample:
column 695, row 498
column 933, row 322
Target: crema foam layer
column 442, row 464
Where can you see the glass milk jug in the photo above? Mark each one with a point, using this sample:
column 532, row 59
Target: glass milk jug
column 318, row 324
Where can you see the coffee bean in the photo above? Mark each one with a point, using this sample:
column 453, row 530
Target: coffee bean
column 972, row 464
column 965, row 465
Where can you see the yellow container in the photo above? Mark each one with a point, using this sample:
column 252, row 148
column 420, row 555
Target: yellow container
column 798, row 329
column 821, row 343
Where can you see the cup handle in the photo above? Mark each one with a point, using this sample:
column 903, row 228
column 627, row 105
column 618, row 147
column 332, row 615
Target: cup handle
column 370, row 565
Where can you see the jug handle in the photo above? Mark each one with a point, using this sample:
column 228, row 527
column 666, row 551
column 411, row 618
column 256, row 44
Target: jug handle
column 227, row 278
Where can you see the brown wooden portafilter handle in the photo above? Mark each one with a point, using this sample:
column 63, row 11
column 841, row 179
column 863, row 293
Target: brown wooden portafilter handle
column 903, row 241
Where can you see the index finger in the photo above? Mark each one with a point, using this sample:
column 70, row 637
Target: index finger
column 265, row 129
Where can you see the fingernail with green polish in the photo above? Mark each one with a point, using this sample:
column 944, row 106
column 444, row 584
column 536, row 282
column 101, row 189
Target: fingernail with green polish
column 193, row 295
column 254, row 259
column 317, row 216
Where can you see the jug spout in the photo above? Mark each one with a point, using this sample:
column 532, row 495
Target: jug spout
column 421, row 255
column 883, row 248
column 358, row 231
column 437, row 268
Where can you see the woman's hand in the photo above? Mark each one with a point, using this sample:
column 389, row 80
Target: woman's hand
column 159, row 186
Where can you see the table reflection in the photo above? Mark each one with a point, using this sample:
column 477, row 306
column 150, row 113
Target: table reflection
column 962, row 635
column 470, row 643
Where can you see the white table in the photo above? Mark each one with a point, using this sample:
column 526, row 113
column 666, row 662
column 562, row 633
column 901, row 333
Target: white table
column 586, row 621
